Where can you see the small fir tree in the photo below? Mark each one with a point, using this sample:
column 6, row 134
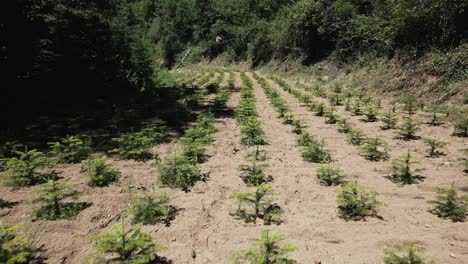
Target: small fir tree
column 178, row 172
column 461, row 126
column 150, row 209
column 405, row 253
column 409, row 128
column 70, row 149
column 434, row 146
column 448, row 204
column 390, row 120
column 403, row 171
column 14, row 248
column 356, row 202
column 344, row 126
column 374, row 149
column 99, row 172
column 266, row 250
column 330, row 176
column 371, row 112
column 25, row 168
column 315, row 151
column 253, row 175
column 356, row 137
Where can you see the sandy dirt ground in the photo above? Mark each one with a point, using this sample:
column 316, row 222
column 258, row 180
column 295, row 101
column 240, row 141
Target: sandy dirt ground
column 205, row 232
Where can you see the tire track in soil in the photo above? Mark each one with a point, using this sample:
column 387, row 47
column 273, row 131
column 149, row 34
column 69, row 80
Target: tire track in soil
column 405, row 215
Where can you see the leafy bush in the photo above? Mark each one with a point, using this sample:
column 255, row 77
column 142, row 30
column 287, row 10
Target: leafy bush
column 448, row 204
column 356, row 137
column 125, row 246
column 315, row 151
column 99, row 172
column 135, row 145
column 149, row 209
column 405, row 253
column 461, row 126
column 70, row 149
column 265, row 250
column 51, row 195
column 261, row 203
column 403, row 171
column 434, row 146
column 330, row 176
column 390, row 120
column 253, row 175
column 374, row 149
column 178, row 172
column 25, row 169
column 409, row 128
column 14, row 248
column 355, row 202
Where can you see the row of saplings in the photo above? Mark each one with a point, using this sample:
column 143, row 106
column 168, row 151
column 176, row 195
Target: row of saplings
column 26, row 168
column 364, row 105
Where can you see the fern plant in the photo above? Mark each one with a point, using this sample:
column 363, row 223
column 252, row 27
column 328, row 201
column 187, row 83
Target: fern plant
column 253, row 175
column 356, row 202
column 356, row 137
column 178, row 172
column 405, row 253
column 14, row 248
column 266, row 250
column 124, row 246
column 448, row 204
column 99, row 172
column 51, row 195
column 260, row 201
column 403, row 171
column 149, row 209
column 315, row 151
column 434, row 146
column 390, row 120
column 409, row 128
column 374, row 149
column 25, row 168
column 330, row 176
column 70, row 149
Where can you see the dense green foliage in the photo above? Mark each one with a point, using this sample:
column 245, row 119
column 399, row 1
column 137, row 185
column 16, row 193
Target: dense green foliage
column 265, row 251
column 14, row 248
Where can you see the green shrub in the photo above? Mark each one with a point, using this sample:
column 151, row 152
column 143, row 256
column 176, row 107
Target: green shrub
column 356, row 137
column 315, row 152
column 405, row 253
column 14, row 248
column 409, row 128
column 99, row 172
column 390, row 120
column 330, row 176
column 371, row 113
column 355, row 202
column 25, row 169
column 434, row 146
column 135, row 145
column 374, row 149
column 265, row 251
column 461, row 126
column 330, row 116
column 125, row 246
column 344, row 126
column 70, row 149
column 51, row 195
column 253, row 175
column 319, row 109
column 149, row 209
column 178, row 172
column 260, row 200
column 448, row 204
column 252, row 133
column 403, row 171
